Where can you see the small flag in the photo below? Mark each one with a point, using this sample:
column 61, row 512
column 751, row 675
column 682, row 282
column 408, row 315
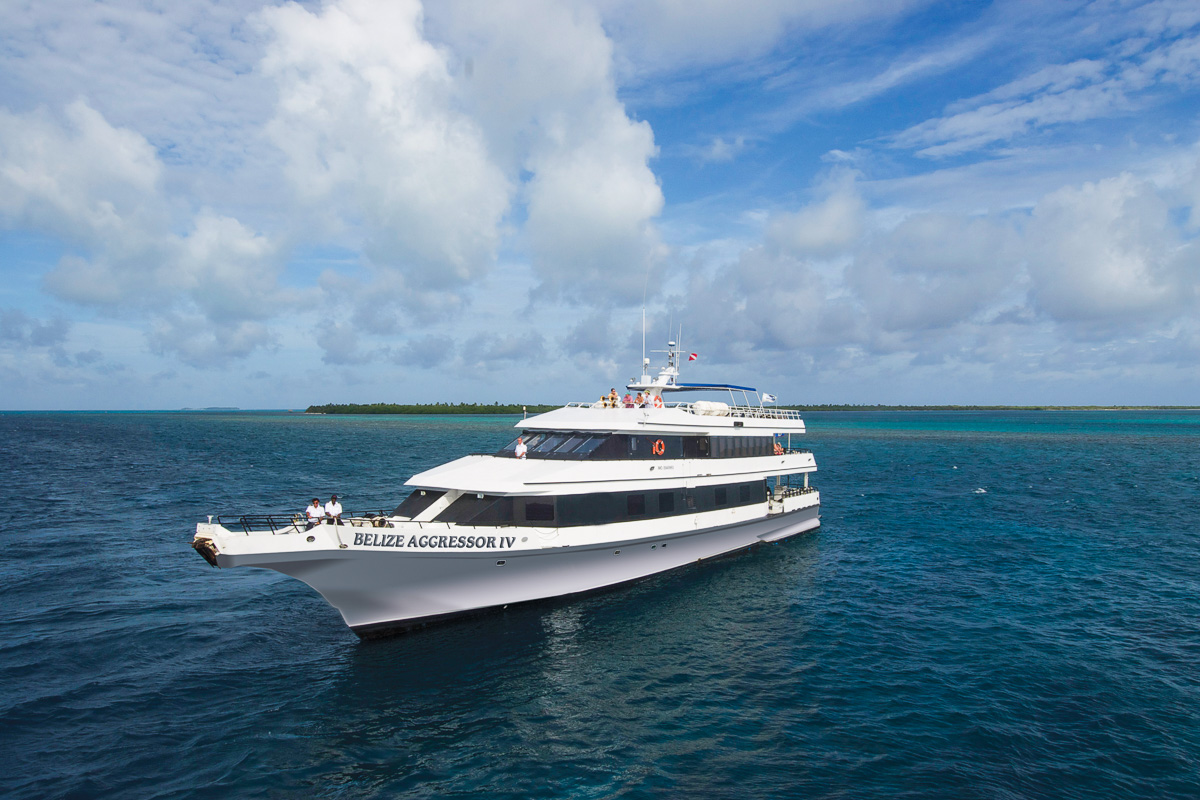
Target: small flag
column 693, row 357
column 768, row 398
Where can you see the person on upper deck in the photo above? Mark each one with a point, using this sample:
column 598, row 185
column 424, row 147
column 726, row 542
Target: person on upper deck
column 314, row 513
column 521, row 448
column 613, row 400
column 628, row 400
column 333, row 510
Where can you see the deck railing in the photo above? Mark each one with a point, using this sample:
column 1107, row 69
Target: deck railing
column 740, row 412
column 291, row 523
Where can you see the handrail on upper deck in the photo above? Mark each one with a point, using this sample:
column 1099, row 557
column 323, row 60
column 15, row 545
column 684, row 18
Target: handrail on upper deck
column 745, row 412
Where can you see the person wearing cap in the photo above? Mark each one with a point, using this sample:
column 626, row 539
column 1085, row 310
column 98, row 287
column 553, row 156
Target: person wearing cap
column 333, row 511
column 314, row 513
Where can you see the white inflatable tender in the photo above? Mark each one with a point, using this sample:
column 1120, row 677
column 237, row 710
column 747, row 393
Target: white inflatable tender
column 711, row 408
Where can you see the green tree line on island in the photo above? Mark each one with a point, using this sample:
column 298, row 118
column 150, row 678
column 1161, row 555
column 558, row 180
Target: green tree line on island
column 429, row 408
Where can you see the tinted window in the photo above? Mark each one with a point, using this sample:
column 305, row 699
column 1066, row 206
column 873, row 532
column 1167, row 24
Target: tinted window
column 416, row 502
column 549, row 443
column 590, row 444
column 666, row 502
column 465, row 508
column 570, row 444
column 539, row 511
column 720, row 496
column 636, row 505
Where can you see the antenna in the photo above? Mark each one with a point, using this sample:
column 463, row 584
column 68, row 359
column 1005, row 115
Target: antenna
column 680, row 346
column 645, row 361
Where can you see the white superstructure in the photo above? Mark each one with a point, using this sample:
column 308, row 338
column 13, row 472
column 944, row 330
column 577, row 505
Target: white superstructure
column 603, row 495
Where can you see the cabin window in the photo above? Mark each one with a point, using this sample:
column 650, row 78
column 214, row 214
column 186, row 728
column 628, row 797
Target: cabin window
column 589, row 444
column 601, row 508
column 635, row 504
column 417, row 502
column 471, row 507
column 549, row 444
column 570, row 444
column 539, row 512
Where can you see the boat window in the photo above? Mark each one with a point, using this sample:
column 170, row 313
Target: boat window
column 589, row 444
column 539, row 512
column 417, row 502
column 742, row 446
column 695, row 447
column 549, row 443
column 531, row 441
column 600, row 508
column 570, row 444
column 467, row 508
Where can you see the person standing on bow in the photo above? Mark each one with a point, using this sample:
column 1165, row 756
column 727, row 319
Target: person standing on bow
column 333, row 511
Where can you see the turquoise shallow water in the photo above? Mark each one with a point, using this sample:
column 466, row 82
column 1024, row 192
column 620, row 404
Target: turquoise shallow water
column 997, row 605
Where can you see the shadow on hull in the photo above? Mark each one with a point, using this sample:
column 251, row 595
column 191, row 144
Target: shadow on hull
column 387, row 630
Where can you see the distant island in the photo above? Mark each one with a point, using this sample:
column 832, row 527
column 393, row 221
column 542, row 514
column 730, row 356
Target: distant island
column 539, row 408
column 213, row 408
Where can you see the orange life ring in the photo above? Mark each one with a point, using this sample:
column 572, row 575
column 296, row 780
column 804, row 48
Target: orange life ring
column 658, row 401
column 659, row 447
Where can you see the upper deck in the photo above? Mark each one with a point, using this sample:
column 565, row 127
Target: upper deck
column 702, row 418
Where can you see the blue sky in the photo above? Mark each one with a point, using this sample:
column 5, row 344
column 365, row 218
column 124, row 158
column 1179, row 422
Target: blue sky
column 272, row 205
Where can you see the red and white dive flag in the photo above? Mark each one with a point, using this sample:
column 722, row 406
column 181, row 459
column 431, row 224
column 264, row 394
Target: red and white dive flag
column 693, row 357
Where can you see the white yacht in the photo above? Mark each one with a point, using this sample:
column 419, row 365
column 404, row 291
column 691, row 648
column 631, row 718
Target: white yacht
column 601, row 495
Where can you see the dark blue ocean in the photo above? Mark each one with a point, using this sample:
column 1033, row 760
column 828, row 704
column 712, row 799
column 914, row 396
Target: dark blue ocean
column 997, row 605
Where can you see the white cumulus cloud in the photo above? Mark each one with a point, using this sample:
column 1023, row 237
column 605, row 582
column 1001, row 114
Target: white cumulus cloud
column 369, row 119
column 99, row 188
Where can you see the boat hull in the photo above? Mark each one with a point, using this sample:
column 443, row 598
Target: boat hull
column 381, row 592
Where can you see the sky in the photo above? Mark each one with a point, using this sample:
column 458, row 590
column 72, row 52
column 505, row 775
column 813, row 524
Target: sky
column 272, row 205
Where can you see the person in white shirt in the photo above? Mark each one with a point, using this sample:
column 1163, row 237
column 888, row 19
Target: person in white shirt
column 521, row 448
column 333, row 510
column 314, row 513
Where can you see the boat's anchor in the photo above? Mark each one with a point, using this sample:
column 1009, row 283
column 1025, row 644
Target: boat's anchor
column 206, row 548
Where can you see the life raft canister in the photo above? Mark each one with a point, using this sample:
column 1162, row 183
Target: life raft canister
column 659, row 447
